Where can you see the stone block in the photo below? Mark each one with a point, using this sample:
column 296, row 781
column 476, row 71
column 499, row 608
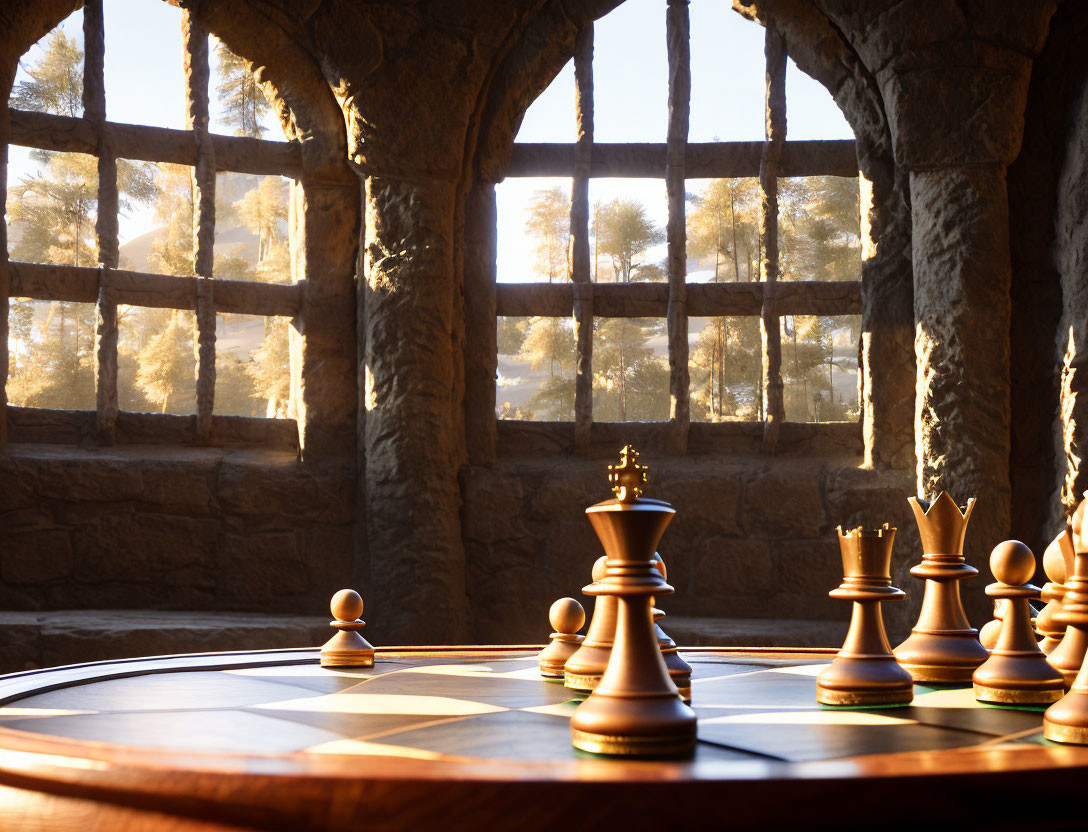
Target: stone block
column 81, row 478
column 260, row 572
column 705, row 499
column 132, row 546
column 302, row 492
column 178, row 488
column 729, row 577
column 808, row 569
column 493, row 507
column 36, row 556
column 782, row 501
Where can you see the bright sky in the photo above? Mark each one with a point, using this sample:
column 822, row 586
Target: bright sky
column 145, row 85
column 145, row 81
column 630, row 91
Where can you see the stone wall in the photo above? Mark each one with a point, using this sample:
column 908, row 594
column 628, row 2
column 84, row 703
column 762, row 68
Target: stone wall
column 171, row 529
column 752, row 538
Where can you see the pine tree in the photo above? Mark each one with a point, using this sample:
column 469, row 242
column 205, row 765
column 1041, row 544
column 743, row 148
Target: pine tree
column 56, row 79
column 166, row 373
column 263, row 210
column 243, row 101
column 624, row 233
column 549, row 223
column 270, row 369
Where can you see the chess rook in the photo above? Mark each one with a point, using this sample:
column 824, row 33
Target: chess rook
column 636, row 709
column 1017, row 671
column 942, row 647
column 865, row 671
column 584, row 669
column 567, row 617
column 679, row 670
column 1067, row 719
column 347, row 648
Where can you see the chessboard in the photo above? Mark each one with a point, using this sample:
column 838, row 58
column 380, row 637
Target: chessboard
column 453, row 736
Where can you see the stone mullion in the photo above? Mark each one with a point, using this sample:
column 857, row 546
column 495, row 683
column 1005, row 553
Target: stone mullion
column 770, row 330
column 962, row 309
column 579, row 232
column 412, row 491
column 481, row 357
column 106, row 228
column 677, row 25
column 5, row 283
column 197, row 80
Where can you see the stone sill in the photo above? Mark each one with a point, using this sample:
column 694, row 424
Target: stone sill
column 831, row 439
column 30, row 640
column 77, row 427
column 755, row 632
column 148, row 453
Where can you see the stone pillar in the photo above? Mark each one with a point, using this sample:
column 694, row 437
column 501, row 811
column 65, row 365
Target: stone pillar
column 417, row 558
column 962, row 275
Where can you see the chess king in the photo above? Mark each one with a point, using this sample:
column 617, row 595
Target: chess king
column 943, row 647
column 636, row 709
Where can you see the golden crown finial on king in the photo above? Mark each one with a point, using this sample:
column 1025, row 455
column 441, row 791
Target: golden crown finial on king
column 942, row 524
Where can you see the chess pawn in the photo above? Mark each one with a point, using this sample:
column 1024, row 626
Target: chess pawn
column 1017, row 671
column 679, row 670
column 1048, row 629
column 865, row 671
column 1067, row 719
column 347, row 648
column 1069, row 655
column 943, row 647
column 636, row 709
column 584, row 669
column 567, row 617
column 992, row 629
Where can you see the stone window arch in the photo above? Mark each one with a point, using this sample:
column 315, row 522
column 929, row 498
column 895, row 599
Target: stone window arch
column 321, row 253
column 675, row 161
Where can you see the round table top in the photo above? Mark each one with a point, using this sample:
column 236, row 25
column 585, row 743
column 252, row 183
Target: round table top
column 467, row 736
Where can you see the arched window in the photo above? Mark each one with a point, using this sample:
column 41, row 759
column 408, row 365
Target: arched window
column 664, row 253
column 151, row 223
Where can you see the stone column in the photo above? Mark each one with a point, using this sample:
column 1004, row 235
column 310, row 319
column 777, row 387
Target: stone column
column 962, row 275
column 417, row 559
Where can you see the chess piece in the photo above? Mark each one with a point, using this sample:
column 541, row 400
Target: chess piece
column 636, row 709
column 567, row 617
column 1067, row 719
column 865, row 671
column 347, row 648
column 679, row 670
column 1017, row 671
column 992, row 629
column 1068, row 656
column 943, row 647
column 1058, row 562
column 585, row 668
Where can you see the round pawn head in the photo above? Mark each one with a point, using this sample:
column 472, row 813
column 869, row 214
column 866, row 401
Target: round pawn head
column 567, row 616
column 346, row 605
column 1080, row 534
column 1054, row 563
column 599, row 567
column 1012, row 563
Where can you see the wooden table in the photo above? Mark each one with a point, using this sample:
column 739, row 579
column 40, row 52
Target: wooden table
column 473, row 738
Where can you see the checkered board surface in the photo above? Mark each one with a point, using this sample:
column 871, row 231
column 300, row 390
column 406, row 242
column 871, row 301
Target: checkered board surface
column 457, row 707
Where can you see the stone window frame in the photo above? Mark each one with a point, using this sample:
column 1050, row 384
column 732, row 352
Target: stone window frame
column 677, row 160
column 106, row 286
